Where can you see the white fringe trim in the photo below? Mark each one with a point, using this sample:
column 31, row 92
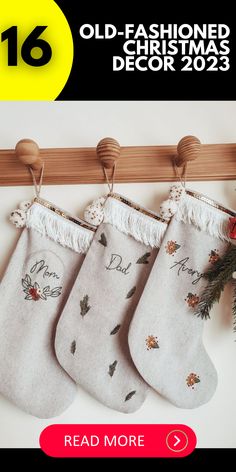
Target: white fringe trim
column 59, row 229
column 143, row 228
column 204, row 216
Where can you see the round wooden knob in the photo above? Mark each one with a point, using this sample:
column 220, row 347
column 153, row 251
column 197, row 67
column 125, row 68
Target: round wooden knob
column 187, row 150
column 27, row 151
column 108, row 151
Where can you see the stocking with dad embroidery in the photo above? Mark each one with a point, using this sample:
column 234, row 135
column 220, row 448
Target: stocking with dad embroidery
column 33, row 292
column 165, row 338
column 92, row 333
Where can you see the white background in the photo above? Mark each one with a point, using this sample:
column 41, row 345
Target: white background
column 71, row 124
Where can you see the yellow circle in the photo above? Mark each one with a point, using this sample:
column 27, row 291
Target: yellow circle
column 27, row 82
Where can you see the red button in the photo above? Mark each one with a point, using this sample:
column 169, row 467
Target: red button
column 118, row 440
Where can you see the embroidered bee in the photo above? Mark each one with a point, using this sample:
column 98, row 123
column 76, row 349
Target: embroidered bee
column 152, row 343
column 214, row 256
column 171, row 247
column 192, row 379
column 192, row 300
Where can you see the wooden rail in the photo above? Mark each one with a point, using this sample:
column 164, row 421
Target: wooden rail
column 135, row 163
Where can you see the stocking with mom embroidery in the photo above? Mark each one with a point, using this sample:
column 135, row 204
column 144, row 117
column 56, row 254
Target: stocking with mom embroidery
column 165, row 338
column 33, row 292
column 92, row 334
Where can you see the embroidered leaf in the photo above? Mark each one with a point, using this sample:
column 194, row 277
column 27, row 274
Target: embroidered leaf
column 73, row 348
column 55, row 292
column 112, row 368
column 43, row 296
column 130, row 395
column 115, row 330
column 56, row 289
column 28, row 297
column 28, row 279
column 26, row 282
column 103, row 240
column 144, row 258
column 46, row 289
column 131, row 292
column 177, row 246
column 197, row 380
column 84, row 306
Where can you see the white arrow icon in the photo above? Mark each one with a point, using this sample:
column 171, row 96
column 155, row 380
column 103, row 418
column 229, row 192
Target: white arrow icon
column 177, row 440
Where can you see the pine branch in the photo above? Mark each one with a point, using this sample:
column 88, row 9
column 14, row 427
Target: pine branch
column 144, row 258
column 234, row 310
column 84, row 306
column 210, row 296
column 227, row 263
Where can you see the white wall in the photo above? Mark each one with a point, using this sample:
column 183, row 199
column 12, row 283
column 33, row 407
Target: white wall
column 132, row 123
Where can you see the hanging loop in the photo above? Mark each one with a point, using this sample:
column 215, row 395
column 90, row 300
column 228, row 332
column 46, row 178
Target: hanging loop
column 37, row 185
column 27, row 151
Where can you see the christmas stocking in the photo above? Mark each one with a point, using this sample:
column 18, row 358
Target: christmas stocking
column 33, row 292
column 165, row 338
column 92, row 334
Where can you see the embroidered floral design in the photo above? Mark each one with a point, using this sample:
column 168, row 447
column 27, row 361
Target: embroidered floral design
column 171, row 247
column 115, row 330
column 131, row 292
column 152, row 343
column 84, row 306
column 192, row 300
column 35, row 292
column 112, row 368
column 214, row 256
column 103, row 240
column 192, row 379
column 73, row 348
column 130, row 395
column 144, row 258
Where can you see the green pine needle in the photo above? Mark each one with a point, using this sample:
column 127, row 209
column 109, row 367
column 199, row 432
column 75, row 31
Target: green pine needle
column 210, row 296
column 234, row 310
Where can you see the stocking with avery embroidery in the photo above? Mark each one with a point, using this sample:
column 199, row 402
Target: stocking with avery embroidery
column 165, row 338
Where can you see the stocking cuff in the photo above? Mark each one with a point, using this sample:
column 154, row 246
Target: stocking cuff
column 60, row 226
column 206, row 214
column 132, row 219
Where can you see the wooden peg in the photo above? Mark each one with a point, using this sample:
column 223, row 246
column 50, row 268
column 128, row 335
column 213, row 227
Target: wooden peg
column 108, row 151
column 187, row 150
column 27, row 151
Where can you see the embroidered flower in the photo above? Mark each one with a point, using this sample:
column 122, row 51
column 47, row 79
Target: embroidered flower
column 192, row 379
column 214, row 256
column 152, row 343
column 171, row 247
column 192, row 300
column 34, row 292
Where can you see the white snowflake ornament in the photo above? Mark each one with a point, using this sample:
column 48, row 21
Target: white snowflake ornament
column 176, row 192
column 94, row 213
column 25, row 205
column 18, row 218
